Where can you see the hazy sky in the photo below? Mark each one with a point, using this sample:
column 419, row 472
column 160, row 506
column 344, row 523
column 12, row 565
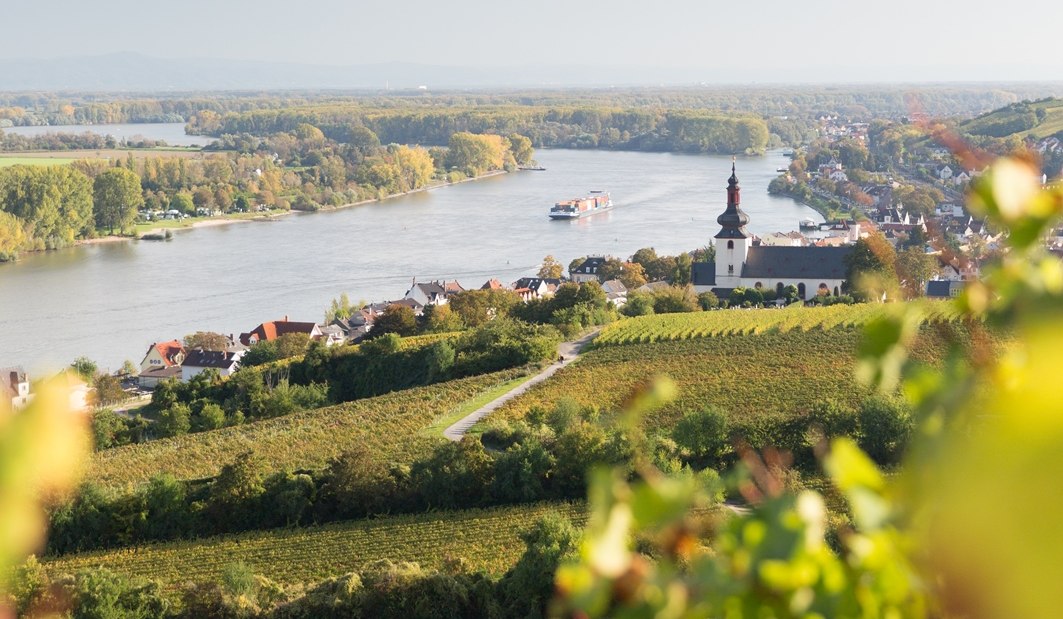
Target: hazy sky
column 811, row 39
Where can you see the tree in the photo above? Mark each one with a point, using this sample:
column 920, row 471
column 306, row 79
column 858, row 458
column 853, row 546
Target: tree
column 207, row 340
column 117, row 196
column 870, row 266
column 914, row 268
column 339, row 309
column 292, row 345
column 175, row 421
column 85, row 368
column 108, row 390
column 633, row 276
column 397, row 319
column 477, row 307
column 182, row 202
column 674, row 299
column 551, row 268
column 702, row 434
column 441, row 319
column 521, row 147
column 235, row 493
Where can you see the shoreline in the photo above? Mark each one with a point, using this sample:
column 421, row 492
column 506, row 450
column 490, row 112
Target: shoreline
column 226, row 220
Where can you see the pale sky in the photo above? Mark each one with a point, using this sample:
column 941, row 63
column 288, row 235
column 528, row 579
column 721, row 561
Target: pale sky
column 818, row 40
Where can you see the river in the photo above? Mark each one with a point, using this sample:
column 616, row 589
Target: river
column 111, row 301
column 173, row 133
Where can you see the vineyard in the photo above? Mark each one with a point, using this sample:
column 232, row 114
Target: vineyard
column 488, row 539
column 669, row 327
column 779, row 373
column 390, row 425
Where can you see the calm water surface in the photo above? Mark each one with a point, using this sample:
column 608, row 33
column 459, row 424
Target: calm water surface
column 173, row 133
column 110, row 302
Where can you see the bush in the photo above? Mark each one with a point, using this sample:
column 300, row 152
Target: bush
column 702, row 435
column 885, row 425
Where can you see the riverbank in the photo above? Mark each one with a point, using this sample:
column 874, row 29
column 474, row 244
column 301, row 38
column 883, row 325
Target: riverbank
column 223, row 220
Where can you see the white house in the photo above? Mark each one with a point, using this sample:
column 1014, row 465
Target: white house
column 945, row 173
column 740, row 264
column 163, row 355
column 433, row 293
column 197, row 361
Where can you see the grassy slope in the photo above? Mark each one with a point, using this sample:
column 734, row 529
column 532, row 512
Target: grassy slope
column 1052, row 124
column 488, row 539
column 390, row 424
column 6, row 161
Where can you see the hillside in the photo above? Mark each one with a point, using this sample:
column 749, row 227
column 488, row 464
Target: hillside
column 1026, row 119
column 489, row 539
column 389, row 425
column 742, row 363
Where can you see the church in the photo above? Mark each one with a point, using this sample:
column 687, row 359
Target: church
column 743, row 263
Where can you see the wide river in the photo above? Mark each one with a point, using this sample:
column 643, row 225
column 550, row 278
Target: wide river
column 111, row 301
column 173, row 133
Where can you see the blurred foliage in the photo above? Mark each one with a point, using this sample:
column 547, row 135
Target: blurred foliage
column 41, row 451
column 965, row 526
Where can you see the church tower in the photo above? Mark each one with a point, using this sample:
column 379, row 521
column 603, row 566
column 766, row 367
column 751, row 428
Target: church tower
column 732, row 241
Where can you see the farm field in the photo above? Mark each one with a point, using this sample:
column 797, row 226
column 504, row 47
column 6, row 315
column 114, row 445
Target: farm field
column 489, row 539
column 390, row 425
column 668, row 327
column 778, row 373
column 22, row 159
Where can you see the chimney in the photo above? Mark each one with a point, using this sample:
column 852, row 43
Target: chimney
column 286, row 318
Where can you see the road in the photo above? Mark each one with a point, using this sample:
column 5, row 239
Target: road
column 568, row 351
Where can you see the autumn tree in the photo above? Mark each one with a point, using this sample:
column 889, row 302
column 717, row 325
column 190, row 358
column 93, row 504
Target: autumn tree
column 521, row 147
column 551, row 268
column 117, row 196
column 206, row 340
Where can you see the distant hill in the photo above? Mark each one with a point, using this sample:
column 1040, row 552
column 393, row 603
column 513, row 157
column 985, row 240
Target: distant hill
column 1026, row 119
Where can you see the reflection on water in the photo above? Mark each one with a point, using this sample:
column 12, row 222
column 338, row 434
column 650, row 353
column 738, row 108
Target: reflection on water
column 111, row 301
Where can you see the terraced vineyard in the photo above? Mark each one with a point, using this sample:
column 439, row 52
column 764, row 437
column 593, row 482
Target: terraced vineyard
column 389, row 424
column 669, row 327
column 488, row 539
column 779, row 373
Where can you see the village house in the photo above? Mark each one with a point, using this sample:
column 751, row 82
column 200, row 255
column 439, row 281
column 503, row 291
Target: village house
column 433, row 293
column 783, row 239
column 588, row 270
column 944, row 289
column 539, row 286
column 270, row 331
column 163, row 355
column 15, row 387
column 198, row 361
column 493, row 284
column 740, row 264
column 615, row 291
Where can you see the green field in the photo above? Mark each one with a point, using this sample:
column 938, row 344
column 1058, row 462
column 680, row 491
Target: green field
column 12, row 161
column 391, row 425
column 669, row 327
column 488, row 539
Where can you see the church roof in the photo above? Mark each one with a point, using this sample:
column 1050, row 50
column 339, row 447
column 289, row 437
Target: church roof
column 703, row 273
column 778, row 262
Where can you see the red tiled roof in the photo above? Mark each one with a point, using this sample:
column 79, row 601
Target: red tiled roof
column 269, row 331
column 169, row 351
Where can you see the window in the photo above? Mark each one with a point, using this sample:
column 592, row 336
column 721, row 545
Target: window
column 758, row 285
column 779, row 288
column 801, row 290
column 730, row 244
column 730, row 269
column 836, row 292
column 823, row 290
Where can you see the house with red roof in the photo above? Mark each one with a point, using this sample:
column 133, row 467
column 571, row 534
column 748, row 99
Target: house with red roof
column 270, row 331
column 163, row 355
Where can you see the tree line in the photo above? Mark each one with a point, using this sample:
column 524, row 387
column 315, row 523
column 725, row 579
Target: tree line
column 53, row 206
column 694, row 131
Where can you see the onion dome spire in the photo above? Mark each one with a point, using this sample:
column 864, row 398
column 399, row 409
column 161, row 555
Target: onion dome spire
column 733, row 220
